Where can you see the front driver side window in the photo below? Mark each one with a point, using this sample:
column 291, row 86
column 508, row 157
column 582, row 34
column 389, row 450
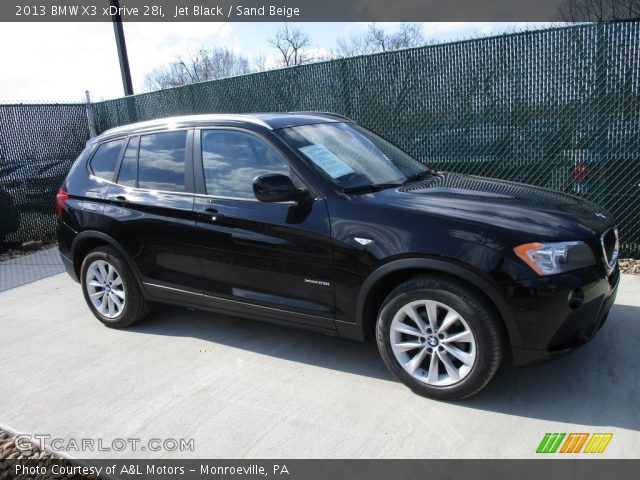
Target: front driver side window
column 232, row 159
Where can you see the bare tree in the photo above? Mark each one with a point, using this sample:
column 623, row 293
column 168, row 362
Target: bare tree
column 351, row 46
column 599, row 10
column 376, row 39
column 408, row 35
column 293, row 45
column 198, row 66
column 260, row 63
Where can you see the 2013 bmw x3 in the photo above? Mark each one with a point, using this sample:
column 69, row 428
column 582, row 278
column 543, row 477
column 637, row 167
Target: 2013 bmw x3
column 309, row 219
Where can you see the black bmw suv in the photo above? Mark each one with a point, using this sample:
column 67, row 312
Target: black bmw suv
column 309, row 219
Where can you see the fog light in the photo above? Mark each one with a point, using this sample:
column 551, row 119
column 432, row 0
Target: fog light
column 576, row 298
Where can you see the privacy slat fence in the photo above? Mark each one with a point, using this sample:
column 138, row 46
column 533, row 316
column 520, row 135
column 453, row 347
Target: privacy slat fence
column 558, row 108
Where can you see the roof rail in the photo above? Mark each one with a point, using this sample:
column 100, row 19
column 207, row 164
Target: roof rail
column 326, row 114
column 181, row 120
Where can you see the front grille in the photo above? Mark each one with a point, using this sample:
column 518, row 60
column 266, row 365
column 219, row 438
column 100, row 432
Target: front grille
column 610, row 248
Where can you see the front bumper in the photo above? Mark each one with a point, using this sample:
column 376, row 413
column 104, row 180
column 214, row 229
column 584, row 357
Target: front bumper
column 555, row 315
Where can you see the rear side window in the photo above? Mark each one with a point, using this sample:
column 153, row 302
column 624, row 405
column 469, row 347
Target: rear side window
column 161, row 162
column 103, row 162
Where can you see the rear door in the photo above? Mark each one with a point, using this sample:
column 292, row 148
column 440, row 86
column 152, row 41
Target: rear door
column 151, row 207
column 270, row 259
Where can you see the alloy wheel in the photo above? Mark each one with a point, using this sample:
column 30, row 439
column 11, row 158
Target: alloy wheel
column 105, row 288
column 433, row 343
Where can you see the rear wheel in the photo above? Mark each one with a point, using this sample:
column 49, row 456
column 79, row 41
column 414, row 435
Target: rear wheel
column 111, row 290
column 439, row 337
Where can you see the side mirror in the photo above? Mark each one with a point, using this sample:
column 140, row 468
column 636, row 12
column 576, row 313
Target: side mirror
column 276, row 187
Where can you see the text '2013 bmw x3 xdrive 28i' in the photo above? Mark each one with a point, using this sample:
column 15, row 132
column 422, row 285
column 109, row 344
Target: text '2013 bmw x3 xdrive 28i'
column 309, row 219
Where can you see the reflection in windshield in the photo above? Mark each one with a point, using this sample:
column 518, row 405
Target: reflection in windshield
column 351, row 157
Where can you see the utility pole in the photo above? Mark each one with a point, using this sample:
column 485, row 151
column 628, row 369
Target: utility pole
column 90, row 120
column 122, row 48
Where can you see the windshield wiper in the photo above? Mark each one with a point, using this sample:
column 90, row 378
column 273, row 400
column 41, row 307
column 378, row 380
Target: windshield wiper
column 419, row 176
column 374, row 187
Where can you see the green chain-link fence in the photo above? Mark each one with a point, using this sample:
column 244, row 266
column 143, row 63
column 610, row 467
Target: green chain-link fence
column 558, row 108
column 38, row 143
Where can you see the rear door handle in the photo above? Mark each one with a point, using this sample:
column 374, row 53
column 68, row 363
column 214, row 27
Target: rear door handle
column 119, row 198
column 211, row 213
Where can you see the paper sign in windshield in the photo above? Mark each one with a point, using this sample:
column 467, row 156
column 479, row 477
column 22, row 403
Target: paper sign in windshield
column 333, row 165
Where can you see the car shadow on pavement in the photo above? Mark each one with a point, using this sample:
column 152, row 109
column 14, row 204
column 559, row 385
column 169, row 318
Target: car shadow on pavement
column 288, row 343
column 597, row 385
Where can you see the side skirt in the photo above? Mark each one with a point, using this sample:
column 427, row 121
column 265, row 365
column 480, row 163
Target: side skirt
column 225, row 306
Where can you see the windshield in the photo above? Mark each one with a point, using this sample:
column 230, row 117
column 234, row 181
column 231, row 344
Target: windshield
column 351, row 157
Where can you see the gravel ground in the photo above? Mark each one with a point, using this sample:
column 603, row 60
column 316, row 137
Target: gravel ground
column 10, row 455
column 630, row 265
column 11, row 251
column 9, row 451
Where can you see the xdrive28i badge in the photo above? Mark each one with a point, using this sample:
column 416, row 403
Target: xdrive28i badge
column 317, row 282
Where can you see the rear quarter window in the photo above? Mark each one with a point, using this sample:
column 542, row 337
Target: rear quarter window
column 128, row 175
column 103, row 162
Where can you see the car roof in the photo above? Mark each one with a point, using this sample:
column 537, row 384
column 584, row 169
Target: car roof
column 268, row 120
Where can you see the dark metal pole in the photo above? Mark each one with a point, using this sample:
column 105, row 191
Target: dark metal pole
column 122, row 49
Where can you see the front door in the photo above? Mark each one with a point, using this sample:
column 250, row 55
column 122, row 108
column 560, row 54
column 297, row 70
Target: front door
column 272, row 260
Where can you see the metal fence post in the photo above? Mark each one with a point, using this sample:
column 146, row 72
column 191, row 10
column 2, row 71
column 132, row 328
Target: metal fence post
column 90, row 121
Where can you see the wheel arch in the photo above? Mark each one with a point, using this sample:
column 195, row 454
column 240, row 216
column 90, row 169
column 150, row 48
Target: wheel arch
column 384, row 279
column 88, row 240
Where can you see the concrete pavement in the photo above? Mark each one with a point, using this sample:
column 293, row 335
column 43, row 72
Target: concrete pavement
column 243, row 389
column 29, row 268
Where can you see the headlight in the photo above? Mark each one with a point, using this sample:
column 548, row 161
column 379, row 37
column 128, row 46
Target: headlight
column 552, row 258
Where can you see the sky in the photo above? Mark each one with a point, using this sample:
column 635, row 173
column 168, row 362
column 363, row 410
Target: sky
column 57, row 62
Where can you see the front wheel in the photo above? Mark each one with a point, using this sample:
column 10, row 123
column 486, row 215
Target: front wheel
column 439, row 337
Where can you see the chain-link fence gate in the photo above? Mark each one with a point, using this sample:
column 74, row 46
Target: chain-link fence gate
column 558, row 108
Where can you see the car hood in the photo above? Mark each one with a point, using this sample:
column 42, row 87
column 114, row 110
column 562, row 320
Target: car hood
column 540, row 212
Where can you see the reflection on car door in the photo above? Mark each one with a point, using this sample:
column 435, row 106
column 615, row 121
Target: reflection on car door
column 271, row 259
column 152, row 208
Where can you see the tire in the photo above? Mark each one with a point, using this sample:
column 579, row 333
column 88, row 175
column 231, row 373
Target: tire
column 124, row 303
column 407, row 342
